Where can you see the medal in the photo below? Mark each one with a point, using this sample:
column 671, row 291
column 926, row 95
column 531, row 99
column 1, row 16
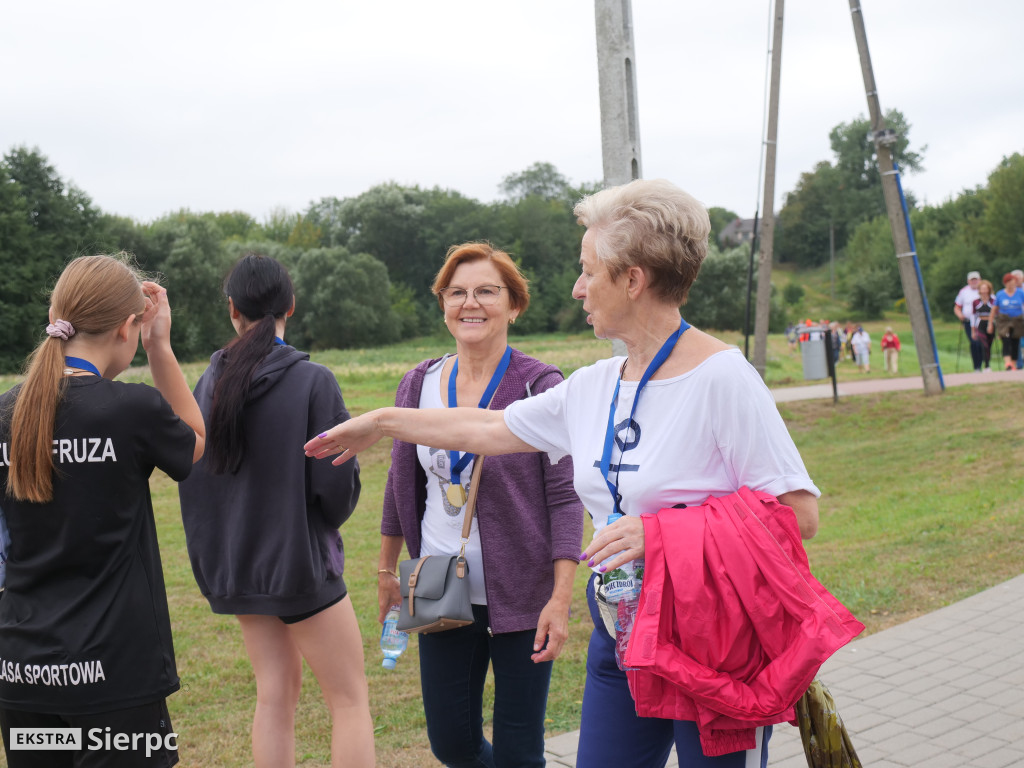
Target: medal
column 457, row 494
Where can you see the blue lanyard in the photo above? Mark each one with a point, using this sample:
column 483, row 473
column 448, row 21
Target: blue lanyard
column 279, row 341
column 458, row 464
column 78, row 362
column 609, row 435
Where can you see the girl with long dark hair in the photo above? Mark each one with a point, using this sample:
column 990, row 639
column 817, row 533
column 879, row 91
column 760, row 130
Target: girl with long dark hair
column 261, row 520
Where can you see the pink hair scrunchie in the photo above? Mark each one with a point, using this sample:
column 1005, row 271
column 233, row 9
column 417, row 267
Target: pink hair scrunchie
column 61, row 329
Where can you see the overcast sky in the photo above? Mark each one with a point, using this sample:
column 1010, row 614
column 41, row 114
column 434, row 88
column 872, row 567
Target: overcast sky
column 213, row 105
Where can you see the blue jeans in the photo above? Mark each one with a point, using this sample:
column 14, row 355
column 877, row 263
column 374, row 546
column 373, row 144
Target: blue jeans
column 612, row 735
column 453, row 667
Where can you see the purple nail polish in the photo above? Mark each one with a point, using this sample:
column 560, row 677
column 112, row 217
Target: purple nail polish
column 322, row 435
column 583, row 556
column 590, row 563
column 603, row 568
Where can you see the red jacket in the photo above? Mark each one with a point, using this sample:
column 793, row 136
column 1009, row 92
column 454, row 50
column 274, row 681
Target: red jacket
column 731, row 627
column 891, row 340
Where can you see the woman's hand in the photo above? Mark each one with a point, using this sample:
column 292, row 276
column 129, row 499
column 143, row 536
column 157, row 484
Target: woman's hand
column 348, row 439
column 621, row 541
column 156, row 318
column 553, row 622
column 388, row 594
column 552, row 629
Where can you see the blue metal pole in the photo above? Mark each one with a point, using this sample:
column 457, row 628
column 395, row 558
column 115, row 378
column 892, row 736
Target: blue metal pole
column 917, row 271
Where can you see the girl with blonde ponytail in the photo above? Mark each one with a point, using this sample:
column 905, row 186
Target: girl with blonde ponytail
column 84, row 628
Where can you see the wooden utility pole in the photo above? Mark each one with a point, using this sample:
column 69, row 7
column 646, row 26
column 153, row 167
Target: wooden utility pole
column 905, row 257
column 764, row 269
column 616, row 78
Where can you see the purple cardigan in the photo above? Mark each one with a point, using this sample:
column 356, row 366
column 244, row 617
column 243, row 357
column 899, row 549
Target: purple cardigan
column 527, row 510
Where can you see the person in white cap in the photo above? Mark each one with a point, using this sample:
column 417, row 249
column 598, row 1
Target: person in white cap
column 963, row 307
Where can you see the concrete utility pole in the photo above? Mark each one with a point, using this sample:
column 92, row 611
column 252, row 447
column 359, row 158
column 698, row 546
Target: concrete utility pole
column 616, row 77
column 884, row 137
column 764, row 269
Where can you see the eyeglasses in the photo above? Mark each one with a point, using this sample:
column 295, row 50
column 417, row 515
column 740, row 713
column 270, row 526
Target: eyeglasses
column 485, row 295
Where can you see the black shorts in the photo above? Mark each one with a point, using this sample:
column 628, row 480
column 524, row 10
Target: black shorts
column 136, row 737
column 309, row 614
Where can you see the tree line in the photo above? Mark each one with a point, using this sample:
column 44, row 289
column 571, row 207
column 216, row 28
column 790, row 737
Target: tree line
column 362, row 266
column 978, row 229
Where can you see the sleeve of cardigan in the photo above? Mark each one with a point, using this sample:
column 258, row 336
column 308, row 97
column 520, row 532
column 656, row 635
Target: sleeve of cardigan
column 565, row 511
column 390, row 523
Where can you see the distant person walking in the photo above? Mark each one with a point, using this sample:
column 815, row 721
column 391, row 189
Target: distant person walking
column 1019, row 275
column 1008, row 319
column 891, row 351
column 861, row 342
column 963, row 308
column 982, row 312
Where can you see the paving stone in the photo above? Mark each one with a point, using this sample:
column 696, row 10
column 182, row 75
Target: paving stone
column 978, row 714
column 1003, row 758
column 915, row 716
column 955, row 737
column 857, row 721
column 921, row 683
column 882, row 732
column 937, row 694
column 981, row 747
column 563, row 744
column 920, row 753
column 900, row 743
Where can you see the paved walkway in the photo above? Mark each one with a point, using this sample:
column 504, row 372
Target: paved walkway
column 888, row 384
column 945, row 690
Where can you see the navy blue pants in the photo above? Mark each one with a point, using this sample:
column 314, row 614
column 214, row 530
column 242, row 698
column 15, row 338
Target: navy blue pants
column 976, row 348
column 611, row 734
column 453, row 667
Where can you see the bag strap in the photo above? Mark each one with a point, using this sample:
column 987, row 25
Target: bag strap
column 413, row 578
column 474, row 490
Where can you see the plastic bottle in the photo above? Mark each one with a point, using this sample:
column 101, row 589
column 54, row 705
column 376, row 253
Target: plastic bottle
column 624, row 582
column 621, row 587
column 392, row 642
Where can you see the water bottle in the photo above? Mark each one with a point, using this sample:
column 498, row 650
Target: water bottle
column 392, row 642
column 621, row 588
column 624, row 582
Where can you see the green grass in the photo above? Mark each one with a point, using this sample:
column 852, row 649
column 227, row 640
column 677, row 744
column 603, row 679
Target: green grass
column 921, row 507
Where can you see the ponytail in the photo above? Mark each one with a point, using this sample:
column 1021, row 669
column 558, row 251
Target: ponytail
column 261, row 290
column 35, row 411
column 94, row 295
column 225, row 442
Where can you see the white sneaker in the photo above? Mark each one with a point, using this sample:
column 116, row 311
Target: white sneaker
column 987, row 369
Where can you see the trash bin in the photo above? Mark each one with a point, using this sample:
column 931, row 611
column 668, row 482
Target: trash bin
column 812, row 352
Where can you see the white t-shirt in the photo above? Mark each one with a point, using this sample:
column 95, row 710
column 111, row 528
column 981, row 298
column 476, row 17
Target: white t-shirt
column 965, row 300
column 705, row 433
column 861, row 342
column 441, row 530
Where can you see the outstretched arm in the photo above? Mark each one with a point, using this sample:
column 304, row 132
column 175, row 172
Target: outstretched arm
column 475, row 430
